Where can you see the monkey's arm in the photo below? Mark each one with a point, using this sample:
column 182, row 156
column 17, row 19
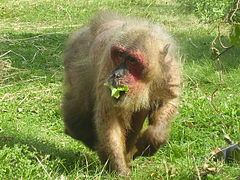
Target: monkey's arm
column 157, row 132
column 160, row 116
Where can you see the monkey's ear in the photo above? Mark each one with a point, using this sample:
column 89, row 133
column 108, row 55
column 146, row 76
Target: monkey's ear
column 165, row 49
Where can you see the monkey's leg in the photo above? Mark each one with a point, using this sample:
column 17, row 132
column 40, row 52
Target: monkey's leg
column 132, row 135
column 157, row 132
column 78, row 121
column 111, row 145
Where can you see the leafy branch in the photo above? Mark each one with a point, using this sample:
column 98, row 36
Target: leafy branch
column 232, row 19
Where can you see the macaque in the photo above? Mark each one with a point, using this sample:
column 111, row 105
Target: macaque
column 117, row 51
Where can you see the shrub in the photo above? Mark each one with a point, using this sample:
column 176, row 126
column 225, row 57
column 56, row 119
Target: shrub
column 208, row 10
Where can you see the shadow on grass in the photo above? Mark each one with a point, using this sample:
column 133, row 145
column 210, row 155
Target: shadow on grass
column 39, row 54
column 70, row 159
column 196, row 48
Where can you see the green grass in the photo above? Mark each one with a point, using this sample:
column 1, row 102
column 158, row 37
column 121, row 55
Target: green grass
column 32, row 142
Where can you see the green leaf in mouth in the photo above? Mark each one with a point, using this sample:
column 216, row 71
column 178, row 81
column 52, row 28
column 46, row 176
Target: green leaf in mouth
column 115, row 91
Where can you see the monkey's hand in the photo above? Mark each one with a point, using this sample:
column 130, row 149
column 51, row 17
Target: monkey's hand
column 157, row 133
column 149, row 142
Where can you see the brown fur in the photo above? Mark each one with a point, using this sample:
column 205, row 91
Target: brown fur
column 114, row 127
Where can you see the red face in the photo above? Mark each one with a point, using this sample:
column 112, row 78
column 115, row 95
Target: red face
column 130, row 64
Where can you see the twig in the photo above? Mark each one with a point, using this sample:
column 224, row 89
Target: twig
column 25, row 97
column 87, row 164
column 227, row 138
column 20, row 56
column 41, row 164
column 217, row 53
column 5, row 53
column 12, row 75
column 166, row 168
column 103, row 168
column 212, row 102
column 34, row 56
column 219, row 38
column 29, row 80
column 9, row 95
column 234, row 11
column 14, row 53
column 225, row 50
column 190, row 40
column 197, row 169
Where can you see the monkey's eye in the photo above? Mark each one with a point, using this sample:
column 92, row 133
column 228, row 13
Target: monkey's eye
column 131, row 59
column 120, row 54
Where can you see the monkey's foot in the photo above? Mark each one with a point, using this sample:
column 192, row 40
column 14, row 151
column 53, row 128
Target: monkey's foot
column 124, row 172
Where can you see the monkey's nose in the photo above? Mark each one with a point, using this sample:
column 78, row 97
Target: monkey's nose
column 119, row 73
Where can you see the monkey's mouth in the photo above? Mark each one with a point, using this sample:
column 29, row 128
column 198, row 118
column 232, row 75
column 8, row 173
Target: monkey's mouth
column 117, row 91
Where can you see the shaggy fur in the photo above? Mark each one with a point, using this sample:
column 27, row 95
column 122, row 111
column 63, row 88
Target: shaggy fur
column 109, row 126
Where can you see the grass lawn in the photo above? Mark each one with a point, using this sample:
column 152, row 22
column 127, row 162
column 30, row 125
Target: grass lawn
column 32, row 142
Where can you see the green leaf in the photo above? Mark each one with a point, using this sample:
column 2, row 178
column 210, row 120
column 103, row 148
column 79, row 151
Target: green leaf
column 115, row 91
column 235, row 35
